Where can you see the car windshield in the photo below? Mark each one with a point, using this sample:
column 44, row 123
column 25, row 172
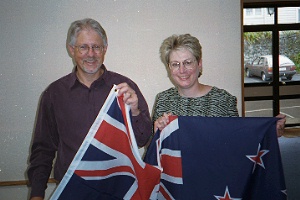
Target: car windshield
column 282, row 60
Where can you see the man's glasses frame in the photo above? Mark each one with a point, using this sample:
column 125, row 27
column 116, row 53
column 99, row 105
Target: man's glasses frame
column 84, row 49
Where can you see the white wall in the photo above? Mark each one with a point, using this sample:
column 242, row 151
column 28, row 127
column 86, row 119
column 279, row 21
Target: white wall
column 267, row 1
column 33, row 54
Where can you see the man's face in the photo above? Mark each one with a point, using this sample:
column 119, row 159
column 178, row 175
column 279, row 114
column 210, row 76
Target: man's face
column 88, row 52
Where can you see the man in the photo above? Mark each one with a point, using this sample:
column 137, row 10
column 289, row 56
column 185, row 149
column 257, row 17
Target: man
column 70, row 105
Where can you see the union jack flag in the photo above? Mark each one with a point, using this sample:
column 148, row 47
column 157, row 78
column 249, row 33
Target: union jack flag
column 108, row 164
column 224, row 158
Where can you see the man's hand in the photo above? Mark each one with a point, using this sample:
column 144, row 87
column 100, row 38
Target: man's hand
column 129, row 97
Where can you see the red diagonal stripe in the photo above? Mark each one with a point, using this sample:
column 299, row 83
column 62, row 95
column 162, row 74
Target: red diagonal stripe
column 103, row 172
column 171, row 165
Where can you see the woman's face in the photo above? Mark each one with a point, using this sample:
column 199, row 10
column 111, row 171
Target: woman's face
column 185, row 75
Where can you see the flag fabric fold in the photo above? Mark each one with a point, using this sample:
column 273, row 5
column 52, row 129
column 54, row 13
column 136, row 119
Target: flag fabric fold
column 108, row 164
column 218, row 158
column 226, row 158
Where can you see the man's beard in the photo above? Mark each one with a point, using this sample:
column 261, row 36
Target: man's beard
column 86, row 69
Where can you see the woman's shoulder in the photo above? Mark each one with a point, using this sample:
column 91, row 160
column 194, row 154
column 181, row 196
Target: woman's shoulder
column 220, row 92
column 169, row 92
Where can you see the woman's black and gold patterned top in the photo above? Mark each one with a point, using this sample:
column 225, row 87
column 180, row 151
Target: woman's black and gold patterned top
column 216, row 103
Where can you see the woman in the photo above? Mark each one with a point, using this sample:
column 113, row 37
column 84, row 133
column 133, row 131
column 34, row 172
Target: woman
column 182, row 56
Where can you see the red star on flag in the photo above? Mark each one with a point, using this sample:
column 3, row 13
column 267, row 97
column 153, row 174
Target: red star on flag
column 257, row 159
column 226, row 196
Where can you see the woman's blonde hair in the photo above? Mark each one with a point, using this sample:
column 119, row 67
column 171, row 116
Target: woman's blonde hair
column 177, row 42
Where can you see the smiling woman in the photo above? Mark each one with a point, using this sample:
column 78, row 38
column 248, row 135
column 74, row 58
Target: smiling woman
column 182, row 57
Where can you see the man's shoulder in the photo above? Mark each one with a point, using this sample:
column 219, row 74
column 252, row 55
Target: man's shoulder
column 116, row 78
column 112, row 74
column 63, row 81
column 65, row 78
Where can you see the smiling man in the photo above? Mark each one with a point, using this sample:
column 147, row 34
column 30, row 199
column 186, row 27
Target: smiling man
column 69, row 106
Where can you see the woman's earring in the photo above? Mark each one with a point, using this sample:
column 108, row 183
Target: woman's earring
column 200, row 73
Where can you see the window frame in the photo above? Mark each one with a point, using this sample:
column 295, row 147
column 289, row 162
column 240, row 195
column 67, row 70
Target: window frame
column 275, row 29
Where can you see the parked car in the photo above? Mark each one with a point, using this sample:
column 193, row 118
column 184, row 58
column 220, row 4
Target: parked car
column 262, row 67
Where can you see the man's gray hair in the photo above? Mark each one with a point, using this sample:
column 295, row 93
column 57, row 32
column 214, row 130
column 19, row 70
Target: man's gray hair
column 79, row 25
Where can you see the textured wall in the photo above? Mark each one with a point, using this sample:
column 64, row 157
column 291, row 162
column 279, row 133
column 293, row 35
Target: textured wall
column 33, row 54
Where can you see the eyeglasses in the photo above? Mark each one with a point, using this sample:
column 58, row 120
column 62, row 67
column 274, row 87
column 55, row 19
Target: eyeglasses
column 84, row 49
column 188, row 65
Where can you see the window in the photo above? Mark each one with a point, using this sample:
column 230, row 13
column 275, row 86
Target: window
column 253, row 12
column 287, row 15
column 272, row 60
column 249, row 12
column 257, row 16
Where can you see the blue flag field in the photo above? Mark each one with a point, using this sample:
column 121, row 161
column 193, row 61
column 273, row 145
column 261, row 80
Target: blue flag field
column 218, row 158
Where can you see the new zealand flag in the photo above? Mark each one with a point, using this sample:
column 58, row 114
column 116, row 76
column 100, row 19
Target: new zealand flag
column 108, row 164
column 224, row 158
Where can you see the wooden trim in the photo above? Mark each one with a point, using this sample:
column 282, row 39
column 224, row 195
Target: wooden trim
column 291, row 132
column 242, row 61
column 262, row 3
column 21, row 182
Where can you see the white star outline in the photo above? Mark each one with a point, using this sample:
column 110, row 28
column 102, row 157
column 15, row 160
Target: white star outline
column 284, row 192
column 257, row 159
column 226, row 196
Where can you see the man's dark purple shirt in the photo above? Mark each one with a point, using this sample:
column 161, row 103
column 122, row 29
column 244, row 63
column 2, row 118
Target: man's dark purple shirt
column 66, row 112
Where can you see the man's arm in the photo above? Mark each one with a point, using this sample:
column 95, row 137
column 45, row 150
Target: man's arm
column 141, row 121
column 36, row 198
column 43, row 148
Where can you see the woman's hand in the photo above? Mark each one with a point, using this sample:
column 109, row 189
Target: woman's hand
column 280, row 125
column 161, row 122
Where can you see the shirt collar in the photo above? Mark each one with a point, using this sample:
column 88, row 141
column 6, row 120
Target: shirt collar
column 74, row 80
